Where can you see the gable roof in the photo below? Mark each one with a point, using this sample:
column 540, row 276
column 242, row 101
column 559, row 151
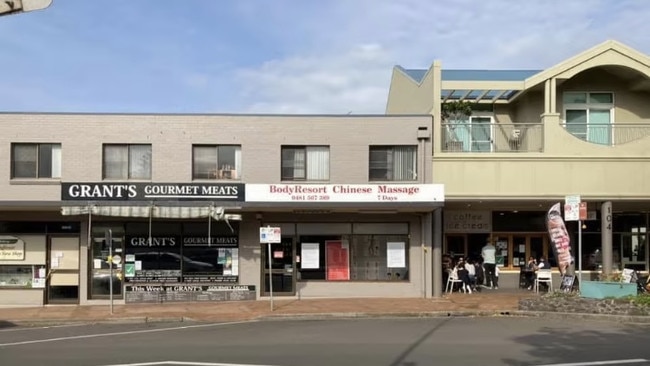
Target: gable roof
column 503, row 86
column 588, row 59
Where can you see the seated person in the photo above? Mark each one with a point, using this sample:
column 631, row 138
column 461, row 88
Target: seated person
column 463, row 275
column 471, row 272
column 529, row 270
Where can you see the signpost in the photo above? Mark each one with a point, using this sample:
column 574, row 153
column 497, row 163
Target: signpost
column 108, row 237
column 268, row 236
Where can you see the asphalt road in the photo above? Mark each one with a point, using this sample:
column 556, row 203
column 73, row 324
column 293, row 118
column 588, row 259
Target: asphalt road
column 390, row 342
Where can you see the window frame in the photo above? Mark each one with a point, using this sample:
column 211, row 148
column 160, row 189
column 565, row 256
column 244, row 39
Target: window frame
column 389, row 169
column 305, row 168
column 587, row 106
column 128, row 162
column 217, row 175
column 38, row 160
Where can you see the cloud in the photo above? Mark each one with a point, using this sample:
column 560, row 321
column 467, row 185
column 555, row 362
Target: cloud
column 352, row 82
column 282, row 56
column 349, row 68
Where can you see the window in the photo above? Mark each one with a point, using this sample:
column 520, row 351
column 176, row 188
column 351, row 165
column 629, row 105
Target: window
column 588, row 116
column 127, row 161
column 36, row 160
column 216, row 162
column 472, row 134
column 305, row 163
column 393, row 163
column 354, row 257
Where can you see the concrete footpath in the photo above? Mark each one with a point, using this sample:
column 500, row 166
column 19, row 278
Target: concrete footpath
column 485, row 303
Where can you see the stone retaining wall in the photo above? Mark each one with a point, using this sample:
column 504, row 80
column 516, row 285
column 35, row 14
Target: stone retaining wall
column 573, row 304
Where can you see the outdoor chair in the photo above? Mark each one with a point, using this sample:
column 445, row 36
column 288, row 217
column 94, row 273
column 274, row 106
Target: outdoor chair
column 451, row 280
column 544, row 276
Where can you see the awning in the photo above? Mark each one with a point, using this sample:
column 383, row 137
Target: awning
column 164, row 212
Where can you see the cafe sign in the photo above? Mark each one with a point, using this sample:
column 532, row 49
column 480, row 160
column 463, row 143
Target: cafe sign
column 467, row 221
column 11, row 249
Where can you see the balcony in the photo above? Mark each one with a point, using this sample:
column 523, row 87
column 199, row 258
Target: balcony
column 479, row 137
column 608, row 134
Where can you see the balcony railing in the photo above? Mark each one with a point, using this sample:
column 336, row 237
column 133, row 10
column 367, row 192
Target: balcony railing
column 492, row 137
column 608, row 134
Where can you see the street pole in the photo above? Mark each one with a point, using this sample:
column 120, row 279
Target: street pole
column 580, row 256
column 109, row 242
column 270, row 275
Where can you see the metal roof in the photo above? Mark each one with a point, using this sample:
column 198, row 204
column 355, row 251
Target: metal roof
column 477, row 96
column 488, row 75
column 473, row 75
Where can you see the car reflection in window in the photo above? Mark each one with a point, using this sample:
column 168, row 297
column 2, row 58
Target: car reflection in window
column 169, row 260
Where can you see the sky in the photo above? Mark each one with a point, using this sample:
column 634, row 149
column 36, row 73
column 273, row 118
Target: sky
column 281, row 56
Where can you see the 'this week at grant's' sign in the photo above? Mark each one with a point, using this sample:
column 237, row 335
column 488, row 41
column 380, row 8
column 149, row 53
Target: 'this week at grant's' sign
column 151, row 191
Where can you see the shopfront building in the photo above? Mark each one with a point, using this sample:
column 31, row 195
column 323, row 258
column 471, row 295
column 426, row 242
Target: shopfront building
column 519, row 235
column 358, row 240
column 30, row 250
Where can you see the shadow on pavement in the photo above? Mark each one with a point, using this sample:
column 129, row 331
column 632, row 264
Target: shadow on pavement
column 565, row 344
column 6, row 324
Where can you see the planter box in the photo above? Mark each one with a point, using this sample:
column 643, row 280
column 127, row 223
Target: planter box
column 601, row 290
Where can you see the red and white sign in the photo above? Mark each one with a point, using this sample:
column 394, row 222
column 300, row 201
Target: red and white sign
column 583, row 211
column 345, row 193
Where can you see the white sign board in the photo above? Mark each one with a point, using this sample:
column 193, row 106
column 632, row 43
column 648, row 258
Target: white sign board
column 345, row 193
column 309, row 256
column 270, row 235
column 396, row 255
column 11, row 248
column 572, row 208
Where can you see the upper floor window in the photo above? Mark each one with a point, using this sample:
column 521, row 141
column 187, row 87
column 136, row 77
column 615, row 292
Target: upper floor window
column 36, row 160
column 305, row 163
column 127, row 161
column 473, row 133
column 393, row 163
column 216, row 162
column 588, row 115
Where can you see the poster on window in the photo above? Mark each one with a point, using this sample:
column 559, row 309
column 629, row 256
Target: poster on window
column 338, row 260
column 234, row 261
column 310, row 256
column 396, row 255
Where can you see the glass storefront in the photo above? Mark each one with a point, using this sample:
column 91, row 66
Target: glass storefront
column 523, row 234
column 164, row 253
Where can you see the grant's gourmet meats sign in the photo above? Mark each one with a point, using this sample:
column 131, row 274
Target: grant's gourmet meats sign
column 151, row 191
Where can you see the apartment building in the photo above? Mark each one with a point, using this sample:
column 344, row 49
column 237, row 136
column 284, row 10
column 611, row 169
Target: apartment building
column 534, row 137
column 169, row 207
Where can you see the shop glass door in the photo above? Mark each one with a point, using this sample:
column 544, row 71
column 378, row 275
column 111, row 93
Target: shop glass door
column 63, row 278
column 100, row 273
column 282, row 268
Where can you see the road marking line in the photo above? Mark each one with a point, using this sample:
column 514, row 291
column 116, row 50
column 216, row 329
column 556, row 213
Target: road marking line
column 121, row 333
column 595, row 363
column 185, row 363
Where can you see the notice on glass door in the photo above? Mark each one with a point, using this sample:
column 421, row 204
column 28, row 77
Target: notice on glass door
column 309, row 256
column 396, row 255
